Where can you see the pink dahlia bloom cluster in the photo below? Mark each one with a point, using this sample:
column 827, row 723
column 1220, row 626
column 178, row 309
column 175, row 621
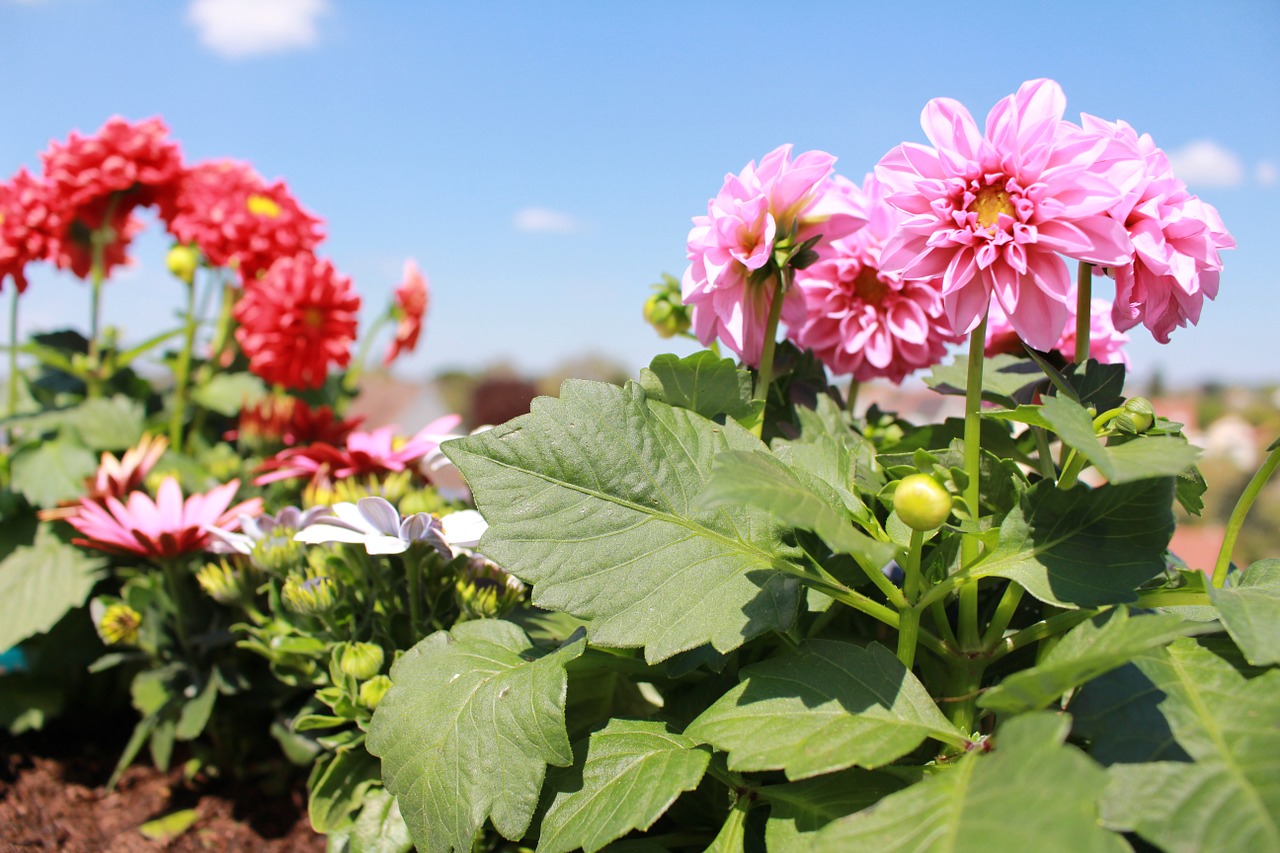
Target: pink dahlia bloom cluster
column 379, row 451
column 861, row 320
column 728, row 247
column 297, row 320
column 994, row 211
column 238, row 220
column 1106, row 343
column 1176, row 241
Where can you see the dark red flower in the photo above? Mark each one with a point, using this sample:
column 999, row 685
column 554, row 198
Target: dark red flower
column 280, row 421
column 412, row 297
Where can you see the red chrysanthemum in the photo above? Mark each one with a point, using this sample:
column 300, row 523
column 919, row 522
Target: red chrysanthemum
column 288, row 422
column 412, row 297
column 239, row 220
column 297, row 320
column 98, row 180
column 26, row 226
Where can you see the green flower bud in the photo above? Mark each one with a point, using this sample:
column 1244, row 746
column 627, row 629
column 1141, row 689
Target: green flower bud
column 309, row 594
column 372, row 691
column 183, row 261
column 119, row 625
column 276, row 552
column 226, row 582
column 360, row 660
column 485, row 591
column 921, row 502
column 665, row 311
column 1138, row 416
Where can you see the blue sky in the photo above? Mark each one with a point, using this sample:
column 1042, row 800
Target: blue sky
column 542, row 160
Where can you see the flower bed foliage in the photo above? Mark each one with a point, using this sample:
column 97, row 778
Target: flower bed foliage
column 709, row 609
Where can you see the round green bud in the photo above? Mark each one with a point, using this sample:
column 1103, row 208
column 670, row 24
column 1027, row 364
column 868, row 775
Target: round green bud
column 361, row 660
column 372, row 691
column 182, row 261
column 1138, row 417
column 921, row 502
column 309, row 594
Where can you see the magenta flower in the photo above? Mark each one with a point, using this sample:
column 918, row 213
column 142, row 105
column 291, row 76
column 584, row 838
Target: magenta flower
column 861, row 320
column 1176, row 239
column 1106, row 343
column 753, row 211
column 161, row 529
column 991, row 212
column 367, row 453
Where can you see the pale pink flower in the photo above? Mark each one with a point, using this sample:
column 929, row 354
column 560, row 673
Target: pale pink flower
column 861, row 320
column 753, row 211
column 990, row 212
column 1176, row 238
column 377, row 452
column 1106, row 343
column 161, row 529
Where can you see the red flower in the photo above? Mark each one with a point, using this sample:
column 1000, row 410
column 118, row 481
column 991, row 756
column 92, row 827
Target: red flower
column 288, row 421
column 27, row 226
column 98, row 180
column 367, row 453
column 238, row 220
column 412, row 297
column 296, row 320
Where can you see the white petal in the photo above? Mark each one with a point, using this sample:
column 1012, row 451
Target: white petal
column 317, row 533
column 351, row 514
column 463, row 529
column 385, row 545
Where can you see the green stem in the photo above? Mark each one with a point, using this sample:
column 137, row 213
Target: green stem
column 182, row 372
column 938, row 611
column 1241, row 510
column 351, row 381
column 1071, row 468
column 841, row 593
column 1173, row 598
column 765, row 376
column 1044, row 454
column 413, row 567
column 961, row 702
column 1042, row 630
column 969, row 545
column 912, row 581
column 909, row 616
column 181, row 608
column 1084, row 305
column 93, row 385
column 13, row 353
column 1004, row 614
column 852, row 395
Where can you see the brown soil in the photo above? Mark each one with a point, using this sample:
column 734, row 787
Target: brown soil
column 51, row 800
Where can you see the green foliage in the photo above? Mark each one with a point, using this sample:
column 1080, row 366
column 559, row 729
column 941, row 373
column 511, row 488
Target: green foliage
column 1250, row 610
column 228, row 393
column 52, row 471
column 702, row 383
column 39, row 583
column 1137, row 458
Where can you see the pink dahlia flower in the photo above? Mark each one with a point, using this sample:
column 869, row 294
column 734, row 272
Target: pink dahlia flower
column 990, row 212
column 1106, row 343
column 239, row 220
column 98, row 180
column 27, row 226
column 375, row 452
column 861, row 320
column 296, row 321
column 737, row 237
column 412, row 298
column 1176, row 239
column 161, row 529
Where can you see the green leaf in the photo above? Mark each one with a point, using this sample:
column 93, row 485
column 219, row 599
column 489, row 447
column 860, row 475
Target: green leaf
column 1229, row 798
column 1032, row 793
column 632, row 771
column 1250, row 610
column 591, row 497
column 1098, row 385
column 228, row 393
column 113, row 423
column 799, row 808
column 760, row 479
column 337, row 789
column 702, row 382
column 1030, row 415
column 465, row 733
column 845, row 462
column 1105, row 642
column 1118, row 713
column 39, row 583
column 378, row 828
column 1003, row 376
column 53, row 471
column 27, row 702
column 828, row 706
column 165, row 829
column 1136, row 459
column 1084, row 547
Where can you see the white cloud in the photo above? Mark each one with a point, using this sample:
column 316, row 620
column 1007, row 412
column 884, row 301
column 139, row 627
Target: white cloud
column 542, row 220
column 1266, row 173
column 1207, row 164
column 239, row 28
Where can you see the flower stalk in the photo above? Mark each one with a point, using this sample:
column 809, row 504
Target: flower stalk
column 969, row 545
column 1236, row 521
column 765, row 377
column 1084, row 305
column 182, row 371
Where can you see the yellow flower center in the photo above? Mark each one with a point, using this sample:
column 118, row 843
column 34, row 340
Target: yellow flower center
column 990, row 203
column 313, row 317
column 260, row 205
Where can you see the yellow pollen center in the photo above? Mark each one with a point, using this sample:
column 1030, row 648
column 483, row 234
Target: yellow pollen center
column 990, row 203
column 313, row 317
column 260, row 205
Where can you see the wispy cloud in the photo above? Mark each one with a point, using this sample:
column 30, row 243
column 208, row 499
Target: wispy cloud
column 1206, row 163
column 542, row 220
column 1266, row 173
column 240, row 28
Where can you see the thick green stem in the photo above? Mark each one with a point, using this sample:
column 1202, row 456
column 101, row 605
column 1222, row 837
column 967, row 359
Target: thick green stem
column 851, row 400
column 93, row 387
column 765, row 377
column 1044, row 629
column 13, row 353
column 963, row 688
column 1238, row 514
column 182, row 371
column 1084, row 305
column 969, row 544
column 1004, row 614
column 851, row 598
column 1044, row 454
column 909, row 615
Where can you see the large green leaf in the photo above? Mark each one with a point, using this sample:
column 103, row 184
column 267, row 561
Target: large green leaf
column 473, row 718
column 591, row 497
column 39, row 583
column 228, row 393
column 52, row 472
column 378, row 828
column 1105, row 642
column 1085, row 547
column 1250, row 610
column 702, row 382
column 112, row 423
column 760, row 479
column 828, row 706
column 1229, row 798
column 337, row 788
column 1032, row 793
column 1003, row 376
column 799, row 808
column 1118, row 713
column 1136, row 459
column 625, row 778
